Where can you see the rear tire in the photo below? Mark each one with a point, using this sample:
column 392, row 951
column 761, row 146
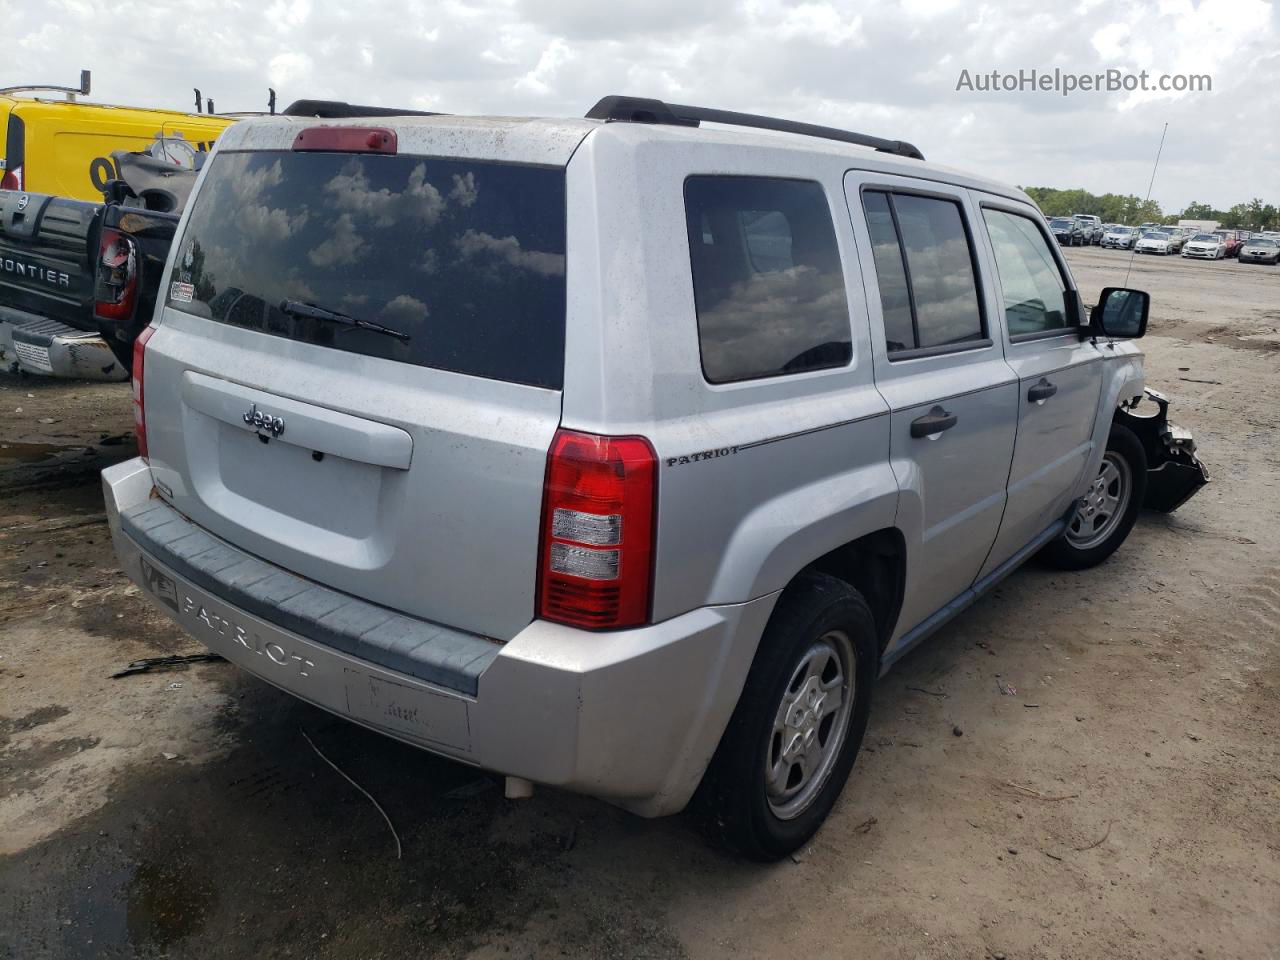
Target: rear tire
column 789, row 747
column 1109, row 508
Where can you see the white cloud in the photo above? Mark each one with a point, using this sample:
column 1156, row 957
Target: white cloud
column 474, row 243
column 344, row 245
column 405, row 309
column 351, row 191
column 539, row 79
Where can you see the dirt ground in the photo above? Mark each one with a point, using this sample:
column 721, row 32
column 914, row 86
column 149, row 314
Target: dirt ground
column 1120, row 800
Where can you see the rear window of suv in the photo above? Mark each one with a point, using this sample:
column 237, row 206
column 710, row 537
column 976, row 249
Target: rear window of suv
column 463, row 260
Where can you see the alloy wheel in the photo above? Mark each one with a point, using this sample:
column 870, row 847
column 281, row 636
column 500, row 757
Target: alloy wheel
column 809, row 725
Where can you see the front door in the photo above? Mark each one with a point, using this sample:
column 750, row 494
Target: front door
column 940, row 366
column 1059, row 373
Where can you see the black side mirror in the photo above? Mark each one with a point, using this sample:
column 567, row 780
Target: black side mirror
column 1120, row 313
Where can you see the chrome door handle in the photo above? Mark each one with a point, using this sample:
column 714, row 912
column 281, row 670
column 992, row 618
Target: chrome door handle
column 933, row 423
column 1042, row 391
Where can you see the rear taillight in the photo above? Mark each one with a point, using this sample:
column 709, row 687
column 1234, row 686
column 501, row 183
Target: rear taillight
column 116, row 289
column 139, row 408
column 595, row 565
column 12, row 179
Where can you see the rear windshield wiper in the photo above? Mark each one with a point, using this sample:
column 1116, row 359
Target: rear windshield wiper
column 300, row 308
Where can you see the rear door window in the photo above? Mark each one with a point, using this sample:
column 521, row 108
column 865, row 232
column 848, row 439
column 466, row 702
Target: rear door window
column 923, row 242
column 767, row 279
column 463, row 260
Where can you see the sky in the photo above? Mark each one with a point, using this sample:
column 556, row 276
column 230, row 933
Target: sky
column 889, row 69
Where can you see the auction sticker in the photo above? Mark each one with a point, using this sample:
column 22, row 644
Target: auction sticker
column 181, row 292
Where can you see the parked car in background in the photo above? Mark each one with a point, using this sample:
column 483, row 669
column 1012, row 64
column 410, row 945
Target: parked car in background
column 1205, row 246
column 596, row 493
column 1154, row 241
column 1177, row 239
column 1068, row 232
column 1091, row 226
column 48, row 256
column 1120, row 237
column 1260, row 250
column 1232, row 239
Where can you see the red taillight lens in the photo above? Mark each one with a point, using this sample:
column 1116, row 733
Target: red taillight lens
column 139, row 410
column 116, row 290
column 12, row 179
column 595, row 566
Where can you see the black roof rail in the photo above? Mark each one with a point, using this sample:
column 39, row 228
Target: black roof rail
column 646, row 110
column 335, row 109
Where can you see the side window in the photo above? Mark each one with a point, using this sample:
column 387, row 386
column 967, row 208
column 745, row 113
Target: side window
column 767, row 278
column 895, row 298
column 920, row 244
column 1034, row 294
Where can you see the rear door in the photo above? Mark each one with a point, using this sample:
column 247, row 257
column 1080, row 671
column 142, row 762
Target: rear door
column 405, row 464
column 1059, row 372
column 940, row 366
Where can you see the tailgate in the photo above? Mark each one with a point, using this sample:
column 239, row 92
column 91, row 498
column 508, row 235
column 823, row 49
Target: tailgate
column 418, row 490
column 358, row 367
column 45, row 245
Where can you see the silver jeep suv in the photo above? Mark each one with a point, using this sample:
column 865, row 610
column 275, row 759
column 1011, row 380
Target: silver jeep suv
column 621, row 454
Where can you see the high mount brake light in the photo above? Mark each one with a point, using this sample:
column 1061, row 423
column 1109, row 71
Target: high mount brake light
column 595, row 561
column 117, row 282
column 139, row 372
column 347, row 140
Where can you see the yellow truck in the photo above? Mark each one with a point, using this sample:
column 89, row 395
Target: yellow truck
column 63, row 147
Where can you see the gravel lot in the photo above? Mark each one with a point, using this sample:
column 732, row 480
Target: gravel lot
column 1120, row 803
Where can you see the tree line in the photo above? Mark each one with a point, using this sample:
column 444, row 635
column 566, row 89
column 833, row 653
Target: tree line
column 1126, row 208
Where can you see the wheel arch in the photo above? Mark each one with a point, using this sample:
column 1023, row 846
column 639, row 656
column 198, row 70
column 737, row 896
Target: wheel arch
column 875, row 565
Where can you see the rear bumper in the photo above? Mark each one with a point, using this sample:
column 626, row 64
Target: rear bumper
column 631, row 716
column 51, row 348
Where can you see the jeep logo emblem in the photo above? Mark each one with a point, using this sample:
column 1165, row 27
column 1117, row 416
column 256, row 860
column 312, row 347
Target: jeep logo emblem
column 264, row 421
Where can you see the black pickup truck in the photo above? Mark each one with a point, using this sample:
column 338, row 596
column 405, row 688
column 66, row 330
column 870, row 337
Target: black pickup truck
column 48, row 265
column 78, row 281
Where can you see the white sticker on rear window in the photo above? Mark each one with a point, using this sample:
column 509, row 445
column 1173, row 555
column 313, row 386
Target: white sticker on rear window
column 181, row 292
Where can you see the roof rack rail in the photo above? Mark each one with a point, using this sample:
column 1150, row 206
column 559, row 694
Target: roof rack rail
column 71, row 92
column 336, row 109
column 647, row 110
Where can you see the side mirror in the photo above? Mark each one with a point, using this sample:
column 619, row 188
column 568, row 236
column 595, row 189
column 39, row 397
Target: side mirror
column 1121, row 313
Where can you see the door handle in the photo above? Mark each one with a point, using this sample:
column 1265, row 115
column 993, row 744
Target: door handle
column 1042, row 391
column 933, row 423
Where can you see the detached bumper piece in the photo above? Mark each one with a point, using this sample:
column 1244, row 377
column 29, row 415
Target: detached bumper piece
column 48, row 347
column 1174, row 473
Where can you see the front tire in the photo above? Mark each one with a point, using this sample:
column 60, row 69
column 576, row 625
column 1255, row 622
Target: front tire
column 1109, row 508
column 797, row 728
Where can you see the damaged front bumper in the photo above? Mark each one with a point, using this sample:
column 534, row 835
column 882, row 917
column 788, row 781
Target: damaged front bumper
column 1174, row 473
